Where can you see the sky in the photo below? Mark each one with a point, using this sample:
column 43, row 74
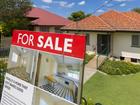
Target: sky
column 66, row 7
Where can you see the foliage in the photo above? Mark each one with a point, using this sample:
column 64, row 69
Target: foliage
column 136, row 10
column 12, row 15
column 3, row 67
column 113, row 89
column 88, row 57
column 119, row 68
column 78, row 15
column 89, row 101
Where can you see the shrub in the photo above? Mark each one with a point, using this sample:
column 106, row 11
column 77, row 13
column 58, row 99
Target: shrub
column 3, row 67
column 119, row 68
column 88, row 57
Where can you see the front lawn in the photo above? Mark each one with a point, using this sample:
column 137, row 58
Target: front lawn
column 113, row 89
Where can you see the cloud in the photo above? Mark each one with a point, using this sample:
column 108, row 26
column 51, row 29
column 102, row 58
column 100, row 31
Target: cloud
column 82, row 3
column 123, row 5
column 110, row 5
column 45, row 7
column 122, row 0
column 34, row 5
column 60, row 3
column 66, row 4
column 47, row 1
column 71, row 5
column 100, row 11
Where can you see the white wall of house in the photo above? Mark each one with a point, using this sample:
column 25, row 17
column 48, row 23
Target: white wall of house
column 92, row 39
column 122, row 45
column 48, row 28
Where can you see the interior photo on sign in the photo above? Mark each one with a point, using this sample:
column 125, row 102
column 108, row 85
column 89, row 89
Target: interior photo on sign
column 57, row 74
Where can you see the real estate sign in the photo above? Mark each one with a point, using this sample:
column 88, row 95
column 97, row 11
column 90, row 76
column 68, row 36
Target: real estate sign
column 44, row 69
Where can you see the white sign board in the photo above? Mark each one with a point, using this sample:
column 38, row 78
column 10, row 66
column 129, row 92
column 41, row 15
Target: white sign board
column 16, row 91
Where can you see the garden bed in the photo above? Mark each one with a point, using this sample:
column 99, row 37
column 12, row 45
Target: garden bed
column 88, row 57
column 119, row 68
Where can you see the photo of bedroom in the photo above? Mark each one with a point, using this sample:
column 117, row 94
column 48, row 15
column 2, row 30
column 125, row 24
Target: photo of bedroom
column 57, row 74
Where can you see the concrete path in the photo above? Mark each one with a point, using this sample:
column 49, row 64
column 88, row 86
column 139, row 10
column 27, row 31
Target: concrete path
column 90, row 68
column 88, row 73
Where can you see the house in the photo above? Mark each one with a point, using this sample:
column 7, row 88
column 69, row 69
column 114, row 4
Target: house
column 114, row 33
column 43, row 20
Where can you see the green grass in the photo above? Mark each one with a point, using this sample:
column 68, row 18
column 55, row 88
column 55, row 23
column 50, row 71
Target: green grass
column 113, row 90
column 119, row 68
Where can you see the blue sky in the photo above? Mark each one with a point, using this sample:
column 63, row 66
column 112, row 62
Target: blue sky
column 66, row 7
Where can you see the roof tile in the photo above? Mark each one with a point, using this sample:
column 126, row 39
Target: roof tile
column 46, row 17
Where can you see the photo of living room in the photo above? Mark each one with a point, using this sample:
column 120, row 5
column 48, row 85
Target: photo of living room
column 22, row 63
column 59, row 75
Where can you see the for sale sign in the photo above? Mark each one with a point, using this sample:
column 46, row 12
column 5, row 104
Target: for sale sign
column 44, row 69
column 69, row 45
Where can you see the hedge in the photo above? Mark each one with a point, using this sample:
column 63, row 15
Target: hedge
column 119, row 68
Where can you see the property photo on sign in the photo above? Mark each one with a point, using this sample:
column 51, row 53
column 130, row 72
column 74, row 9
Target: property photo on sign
column 51, row 62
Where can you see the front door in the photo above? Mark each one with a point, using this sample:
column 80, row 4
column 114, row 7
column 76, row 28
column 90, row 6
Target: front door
column 103, row 44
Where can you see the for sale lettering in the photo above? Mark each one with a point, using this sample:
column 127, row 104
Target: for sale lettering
column 46, row 42
column 25, row 39
column 56, row 43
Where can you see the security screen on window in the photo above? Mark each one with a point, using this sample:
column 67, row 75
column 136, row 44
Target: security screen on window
column 135, row 40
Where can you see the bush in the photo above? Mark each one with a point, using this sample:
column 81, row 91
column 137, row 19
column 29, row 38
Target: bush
column 3, row 67
column 88, row 57
column 89, row 101
column 119, row 68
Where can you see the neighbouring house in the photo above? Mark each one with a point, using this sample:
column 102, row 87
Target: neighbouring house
column 43, row 20
column 114, row 33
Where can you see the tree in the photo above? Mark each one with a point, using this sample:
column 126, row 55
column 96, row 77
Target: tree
column 79, row 15
column 136, row 10
column 12, row 15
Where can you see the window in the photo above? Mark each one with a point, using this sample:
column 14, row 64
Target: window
column 135, row 40
column 87, row 39
column 14, row 57
column 57, row 30
column 133, row 60
column 44, row 29
column 122, row 58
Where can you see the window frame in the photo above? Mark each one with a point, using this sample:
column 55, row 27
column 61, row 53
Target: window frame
column 88, row 37
column 138, row 39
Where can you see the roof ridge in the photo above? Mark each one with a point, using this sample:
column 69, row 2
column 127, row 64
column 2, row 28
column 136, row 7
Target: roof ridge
column 52, row 13
column 105, row 22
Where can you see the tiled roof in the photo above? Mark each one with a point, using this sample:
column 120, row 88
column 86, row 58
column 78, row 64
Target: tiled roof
column 109, row 21
column 133, row 15
column 89, row 23
column 46, row 18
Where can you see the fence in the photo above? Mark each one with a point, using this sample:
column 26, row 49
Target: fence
column 5, row 43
